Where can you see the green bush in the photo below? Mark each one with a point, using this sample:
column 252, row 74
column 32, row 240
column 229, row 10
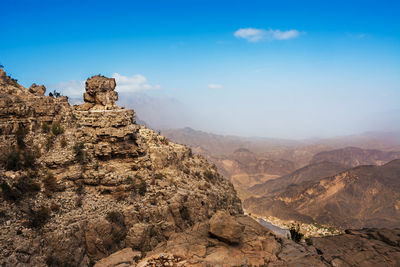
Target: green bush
column 295, row 233
column 56, row 128
column 45, row 127
column 80, row 154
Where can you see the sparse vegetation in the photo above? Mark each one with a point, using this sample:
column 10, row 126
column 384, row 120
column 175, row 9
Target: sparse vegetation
column 63, row 142
column 25, row 186
column 295, row 233
column 9, row 193
column 50, row 184
column 20, row 136
column 56, row 128
column 45, row 127
column 38, row 217
column 16, row 160
column 209, row 175
column 142, row 188
column 80, row 154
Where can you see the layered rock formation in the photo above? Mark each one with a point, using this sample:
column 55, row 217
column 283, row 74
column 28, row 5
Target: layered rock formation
column 85, row 185
column 96, row 182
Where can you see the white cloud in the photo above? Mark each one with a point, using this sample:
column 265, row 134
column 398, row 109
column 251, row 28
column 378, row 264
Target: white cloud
column 134, row 83
column 70, row 88
column 250, row 34
column 215, row 86
column 256, row 35
column 284, row 35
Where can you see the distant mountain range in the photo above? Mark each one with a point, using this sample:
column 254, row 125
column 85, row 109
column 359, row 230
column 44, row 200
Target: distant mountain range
column 364, row 196
column 354, row 156
column 322, row 180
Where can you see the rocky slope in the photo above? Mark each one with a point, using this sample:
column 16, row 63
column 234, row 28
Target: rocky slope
column 85, row 185
column 365, row 196
column 78, row 183
column 354, row 156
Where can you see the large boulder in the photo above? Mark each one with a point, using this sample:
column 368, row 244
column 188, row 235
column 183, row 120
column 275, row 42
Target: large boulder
column 38, row 90
column 100, row 93
column 225, row 228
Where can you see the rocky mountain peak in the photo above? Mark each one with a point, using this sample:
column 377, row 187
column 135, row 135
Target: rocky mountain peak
column 100, row 94
column 39, row 90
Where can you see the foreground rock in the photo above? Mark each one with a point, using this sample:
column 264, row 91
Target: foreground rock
column 79, row 183
column 258, row 247
column 225, row 228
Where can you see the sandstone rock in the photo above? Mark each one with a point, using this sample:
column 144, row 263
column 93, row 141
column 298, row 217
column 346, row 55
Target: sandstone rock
column 38, row 90
column 124, row 257
column 100, row 92
column 138, row 236
column 225, row 227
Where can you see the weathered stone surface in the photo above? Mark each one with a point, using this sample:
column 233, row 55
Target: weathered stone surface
column 100, row 92
column 124, row 257
column 225, row 227
column 109, row 168
column 38, row 90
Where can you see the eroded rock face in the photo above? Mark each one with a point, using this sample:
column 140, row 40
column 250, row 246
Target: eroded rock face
column 114, row 185
column 38, row 90
column 224, row 227
column 100, row 93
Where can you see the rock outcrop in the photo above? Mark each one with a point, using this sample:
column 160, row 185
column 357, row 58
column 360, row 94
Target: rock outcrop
column 100, row 93
column 79, row 184
column 224, row 227
column 85, row 185
column 38, row 90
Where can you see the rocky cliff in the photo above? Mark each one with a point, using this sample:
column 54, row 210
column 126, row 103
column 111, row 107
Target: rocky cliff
column 85, row 185
column 81, row 182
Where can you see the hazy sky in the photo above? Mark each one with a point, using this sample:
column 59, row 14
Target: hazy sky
column 261, row 68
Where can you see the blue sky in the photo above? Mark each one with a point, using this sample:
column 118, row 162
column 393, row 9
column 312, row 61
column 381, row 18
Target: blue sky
column 291, row 69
